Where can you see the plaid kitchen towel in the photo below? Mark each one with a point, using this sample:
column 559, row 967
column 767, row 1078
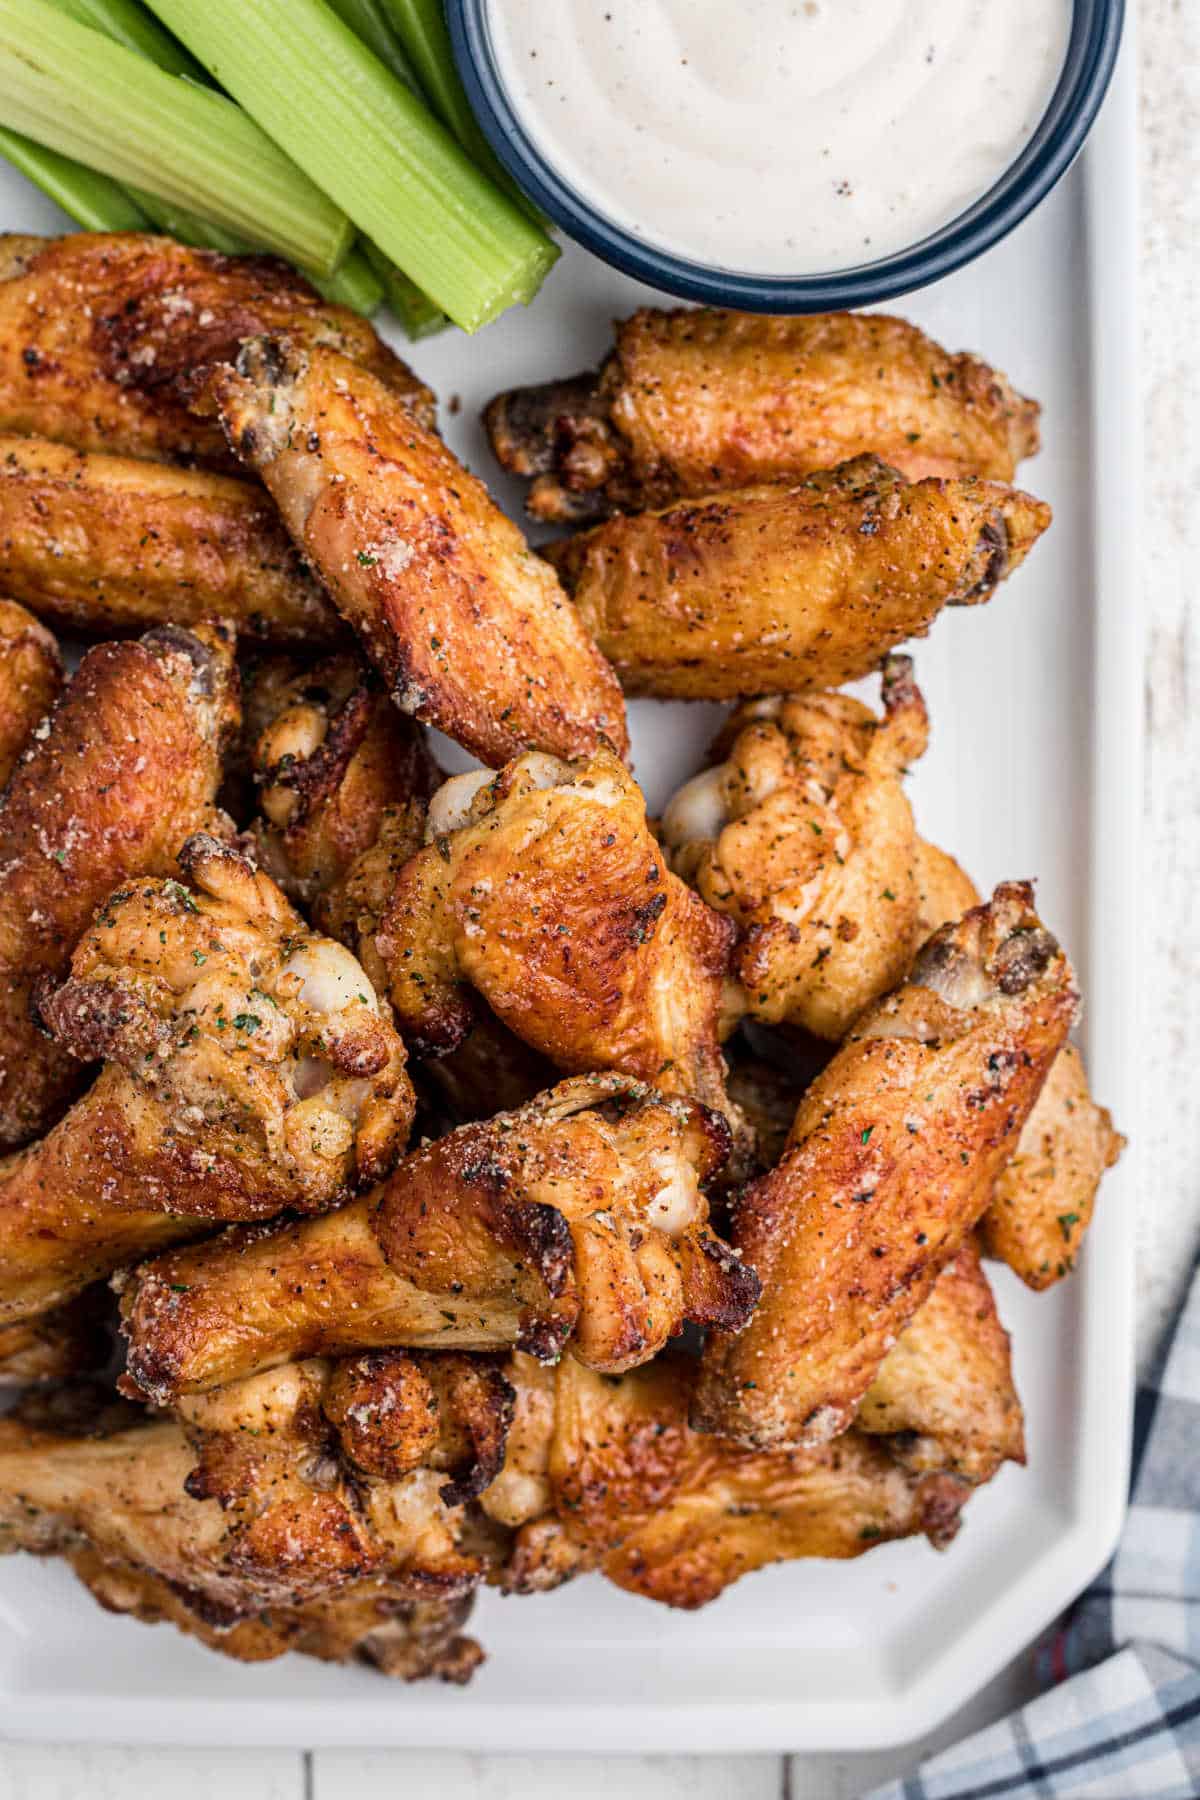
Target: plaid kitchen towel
column 1123, row 1720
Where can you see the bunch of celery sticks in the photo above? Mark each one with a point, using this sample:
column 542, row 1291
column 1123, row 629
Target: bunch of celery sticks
column 333, row 132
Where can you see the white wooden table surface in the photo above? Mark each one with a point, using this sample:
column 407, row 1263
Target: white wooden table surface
column 1170, row 1222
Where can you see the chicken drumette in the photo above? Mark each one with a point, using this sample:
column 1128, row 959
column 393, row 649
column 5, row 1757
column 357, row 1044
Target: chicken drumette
column 31, row 674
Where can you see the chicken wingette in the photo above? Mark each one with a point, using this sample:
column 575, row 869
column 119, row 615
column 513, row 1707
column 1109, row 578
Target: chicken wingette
column 125, row 768
column 101, row 544
column 249, row 1070
column 892, row 1159
column 578, row 1221
column 31, row 674
column 690, row 402
column 469, row 629
column 1044, row 1198
column 783, row 589
column 103, row 339
column 802, row 834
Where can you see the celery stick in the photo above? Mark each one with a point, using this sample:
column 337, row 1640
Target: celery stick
column 189, row 227
column 92, row 200
column 414, row 310
column 128, row 23
column 373, row 148
column 356, row 284
column 67, row 87
column 368, row 21
column 421, row 27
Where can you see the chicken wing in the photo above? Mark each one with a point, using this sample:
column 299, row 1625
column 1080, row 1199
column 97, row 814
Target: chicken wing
column 470, row 630
column 31, row 674
column 124, row 769
column 788, row 588
column 804, row 837
column 580, row 1219
column 104, row 338
column 250, row 1069
column 893, row 1156
column 690, row 402
column 544, row 892
column 59, row 1346
column 340, row 773
column 1044, row 1198
column 943, row 1400
column 675, row 1516
column 109, row 543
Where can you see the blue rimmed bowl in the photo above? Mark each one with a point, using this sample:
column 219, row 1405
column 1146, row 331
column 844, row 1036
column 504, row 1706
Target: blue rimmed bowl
column 1091, row 54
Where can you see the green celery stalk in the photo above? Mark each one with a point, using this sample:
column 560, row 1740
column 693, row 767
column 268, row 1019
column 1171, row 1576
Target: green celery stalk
column 69, row 88
column 368, row 21
column 356, row 284
column 414, row 310
column 421, row 27
column 189, row 227
column 128, row 23
column 334, row 107
column 92, row 200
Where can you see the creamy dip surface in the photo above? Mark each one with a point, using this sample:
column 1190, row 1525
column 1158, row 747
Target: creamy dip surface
column 780, row 137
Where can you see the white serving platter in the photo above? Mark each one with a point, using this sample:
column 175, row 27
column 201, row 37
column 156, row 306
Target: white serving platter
column 1033, row 770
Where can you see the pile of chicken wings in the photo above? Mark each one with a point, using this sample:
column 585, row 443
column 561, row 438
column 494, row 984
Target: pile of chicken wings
column 497, row 1184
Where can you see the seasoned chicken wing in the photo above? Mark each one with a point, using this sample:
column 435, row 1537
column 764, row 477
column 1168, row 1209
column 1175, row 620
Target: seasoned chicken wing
column 110, row 543
column 626, row 1487
column 1044, row 1198
column 104, row 338
column 580, row 1219
column 543, row 891
column 470, row 630
column 804, row 837
column 123, row 771
column 339, row 772
column 31, row 674
column 788, row 588
column 893, row 1156
column 58, row 1346
column 251, row 1069
column 943, row 1399
column 690, row 402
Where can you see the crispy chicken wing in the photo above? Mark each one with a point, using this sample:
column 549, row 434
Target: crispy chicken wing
column 124, row 769
column 690, row 402
column 339, row 771
column 31, row 674
column 544, row 892
column 104, row 338
column 677, row 1516
column 250, row 1069
column 470, row 630
column 1045, row 1197
column 804, row 837
column 943, row 1399
column 110, row 543
column 787, row 588
column 893, row 1155
column 75, row 1340
column 580, row 1219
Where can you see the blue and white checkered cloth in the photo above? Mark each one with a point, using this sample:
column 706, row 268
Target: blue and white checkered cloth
column 1121, row 1716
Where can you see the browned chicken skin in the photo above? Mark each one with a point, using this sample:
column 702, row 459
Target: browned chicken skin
column 792, row 587
column 690, row 402
column 110, row 543
column 469, row 629
column 803, row 835
column 103, row 339
column 1044, row 1199
column 608, row 1475
column 31, row 674
column 250, row 1069
column 338, row 769
column 544, row 892
column 579, row 1219
column 125, row 769
column 893, row 1156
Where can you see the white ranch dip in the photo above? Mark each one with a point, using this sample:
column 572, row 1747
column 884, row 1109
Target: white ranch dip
column 781, row 137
